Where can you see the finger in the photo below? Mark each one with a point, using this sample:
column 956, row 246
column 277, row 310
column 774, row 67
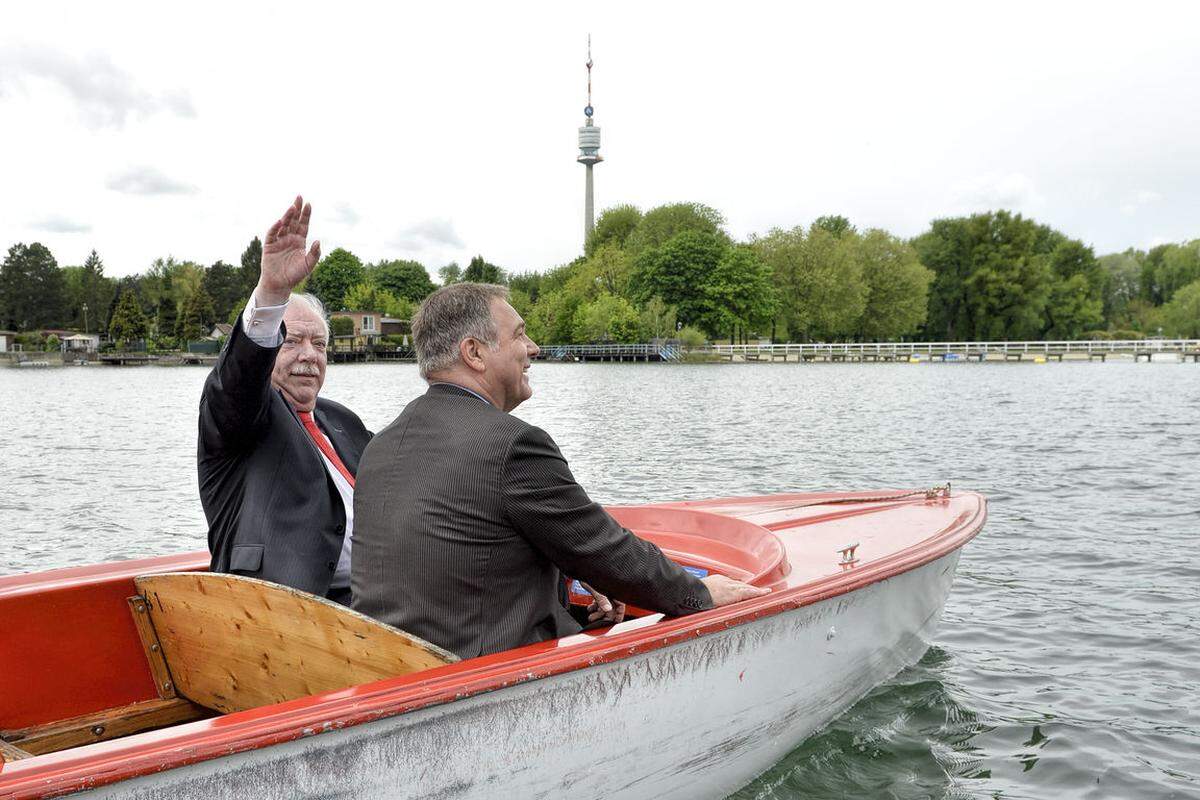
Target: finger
column 314, row 255
column 285, row 224
column 304, row 217
column 273, row 232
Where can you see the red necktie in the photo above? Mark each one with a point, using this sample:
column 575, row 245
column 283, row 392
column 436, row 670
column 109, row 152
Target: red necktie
column 324, row 446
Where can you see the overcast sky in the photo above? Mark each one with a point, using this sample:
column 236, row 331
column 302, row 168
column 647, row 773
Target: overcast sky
column 441, row 132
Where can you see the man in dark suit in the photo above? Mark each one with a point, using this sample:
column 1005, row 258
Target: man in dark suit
column 276, row 463
column 468, row 518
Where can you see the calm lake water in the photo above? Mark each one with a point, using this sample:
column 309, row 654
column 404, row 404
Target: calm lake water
column 1068, row 662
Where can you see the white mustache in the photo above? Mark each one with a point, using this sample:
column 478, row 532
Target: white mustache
column 306, row 369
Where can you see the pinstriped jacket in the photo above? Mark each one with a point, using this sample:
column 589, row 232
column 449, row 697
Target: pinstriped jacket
column 466, row 519
column 272, row 509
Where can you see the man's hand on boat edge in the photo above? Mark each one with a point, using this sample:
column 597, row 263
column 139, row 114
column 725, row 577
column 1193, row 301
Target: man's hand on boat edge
column 725, row 590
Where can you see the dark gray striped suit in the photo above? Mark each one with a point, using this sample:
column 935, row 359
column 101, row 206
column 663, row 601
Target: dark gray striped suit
column 465, row 519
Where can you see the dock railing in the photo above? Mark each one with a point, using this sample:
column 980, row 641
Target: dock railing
column 965, row 350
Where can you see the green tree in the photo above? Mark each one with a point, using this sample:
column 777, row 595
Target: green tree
column 368, row 297
column 88, row 287
column 405, row 279
column 128, row 322
column 1179, row 267
column 613, row 227
column 819, row 279
column 1076, row 300
column 836, row 224
column 739, row 294
column 993, row 276
column 197, row 317
column 166, row 318
column 607, row 319
column 897, row 288
column 32, row 290
column 251, row 266
column 1181, row 316
column 1122, row 273
column 661, row 224
column 678, row 271
column 334, row 276
column 451, row 273
column 225, row 284
column 341, row 326
column 552, row 319
column 528, row 283
column 607, row 270
column 657, row 320
column 480, row 271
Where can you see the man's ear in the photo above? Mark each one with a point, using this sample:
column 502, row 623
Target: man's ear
column 470, row 350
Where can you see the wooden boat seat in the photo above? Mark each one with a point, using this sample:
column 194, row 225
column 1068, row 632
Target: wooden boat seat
column 232, row 643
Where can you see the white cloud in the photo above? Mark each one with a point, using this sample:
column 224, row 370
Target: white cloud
column 1139, row 199
column 57, row 223
column 1013, row 191
column 104, row 94
column 146, row 180
column 431, row 233
column 344, row 214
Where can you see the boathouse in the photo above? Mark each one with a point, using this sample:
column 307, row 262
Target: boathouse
column 7, row 338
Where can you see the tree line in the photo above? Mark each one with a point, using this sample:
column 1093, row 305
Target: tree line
column 674, row 271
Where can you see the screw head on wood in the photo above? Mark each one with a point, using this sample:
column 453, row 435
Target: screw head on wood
column 97, row 730
column 166, row 686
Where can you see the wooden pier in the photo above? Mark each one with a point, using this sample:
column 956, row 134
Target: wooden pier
column 611, row 352
column 1090, row 350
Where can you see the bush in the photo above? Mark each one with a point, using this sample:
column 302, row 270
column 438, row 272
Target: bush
column 341, row 326
column 691, row 337
column 53, row 342
column 1095, row 335
column 1126, row 334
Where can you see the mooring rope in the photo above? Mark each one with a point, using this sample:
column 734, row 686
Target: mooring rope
column 931, row 493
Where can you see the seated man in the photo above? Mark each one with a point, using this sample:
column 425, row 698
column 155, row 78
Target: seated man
column 276, row 463
column 467, row 518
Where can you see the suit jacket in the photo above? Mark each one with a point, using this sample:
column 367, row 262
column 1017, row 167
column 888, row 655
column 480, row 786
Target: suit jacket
column 466, row 519
column 273, row 511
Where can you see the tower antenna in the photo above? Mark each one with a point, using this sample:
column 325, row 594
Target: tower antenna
column 589, row 151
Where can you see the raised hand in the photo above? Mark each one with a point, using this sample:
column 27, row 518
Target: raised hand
column 284, row 261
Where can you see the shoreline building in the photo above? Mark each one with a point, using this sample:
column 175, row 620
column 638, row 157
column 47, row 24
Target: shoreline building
column 589, row 153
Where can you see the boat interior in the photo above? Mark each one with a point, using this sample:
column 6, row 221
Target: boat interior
column 117, row 649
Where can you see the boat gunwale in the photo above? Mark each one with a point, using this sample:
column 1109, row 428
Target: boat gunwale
column 103, row 763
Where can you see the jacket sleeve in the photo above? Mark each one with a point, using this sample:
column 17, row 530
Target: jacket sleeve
column 237, row 394
column 552, row 511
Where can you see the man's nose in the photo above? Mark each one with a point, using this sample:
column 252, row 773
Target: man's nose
column 533, row 349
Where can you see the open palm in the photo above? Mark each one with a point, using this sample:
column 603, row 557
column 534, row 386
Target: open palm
column 285, row 263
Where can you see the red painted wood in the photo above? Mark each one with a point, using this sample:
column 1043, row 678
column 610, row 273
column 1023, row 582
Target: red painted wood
column 69, row 646
column 927, row 531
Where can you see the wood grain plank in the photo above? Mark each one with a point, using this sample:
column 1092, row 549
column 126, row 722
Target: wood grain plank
column 233, row 643
column 111, row 723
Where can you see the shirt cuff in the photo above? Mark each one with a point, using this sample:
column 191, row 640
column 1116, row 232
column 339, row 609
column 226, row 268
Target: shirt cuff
column 262, row 323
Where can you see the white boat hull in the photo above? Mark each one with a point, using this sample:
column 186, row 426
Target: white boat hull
column 696, row 719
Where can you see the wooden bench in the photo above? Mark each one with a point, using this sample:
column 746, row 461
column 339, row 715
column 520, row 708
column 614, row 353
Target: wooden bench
column 223, row 643
column 231, row 643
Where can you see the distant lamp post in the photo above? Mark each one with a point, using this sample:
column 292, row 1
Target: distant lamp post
column 85, row 325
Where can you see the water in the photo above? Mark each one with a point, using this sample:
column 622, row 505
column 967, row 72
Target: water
column 1068, row 662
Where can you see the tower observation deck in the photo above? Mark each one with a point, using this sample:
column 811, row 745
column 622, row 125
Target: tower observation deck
column 589, row 153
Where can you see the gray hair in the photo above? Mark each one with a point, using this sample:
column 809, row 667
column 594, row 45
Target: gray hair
column 449, row 315
column 313, row 304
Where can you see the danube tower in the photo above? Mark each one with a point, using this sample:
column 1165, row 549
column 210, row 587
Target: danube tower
column 589, row 153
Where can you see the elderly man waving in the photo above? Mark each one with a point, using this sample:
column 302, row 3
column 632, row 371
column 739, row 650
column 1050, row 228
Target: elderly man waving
column 468, row 518
column 276, row 462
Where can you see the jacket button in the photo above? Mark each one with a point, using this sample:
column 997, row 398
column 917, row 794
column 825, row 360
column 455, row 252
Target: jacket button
column 339, row 528
column 332, row 565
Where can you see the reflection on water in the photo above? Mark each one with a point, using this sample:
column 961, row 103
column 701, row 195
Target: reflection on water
column 1067, row 662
